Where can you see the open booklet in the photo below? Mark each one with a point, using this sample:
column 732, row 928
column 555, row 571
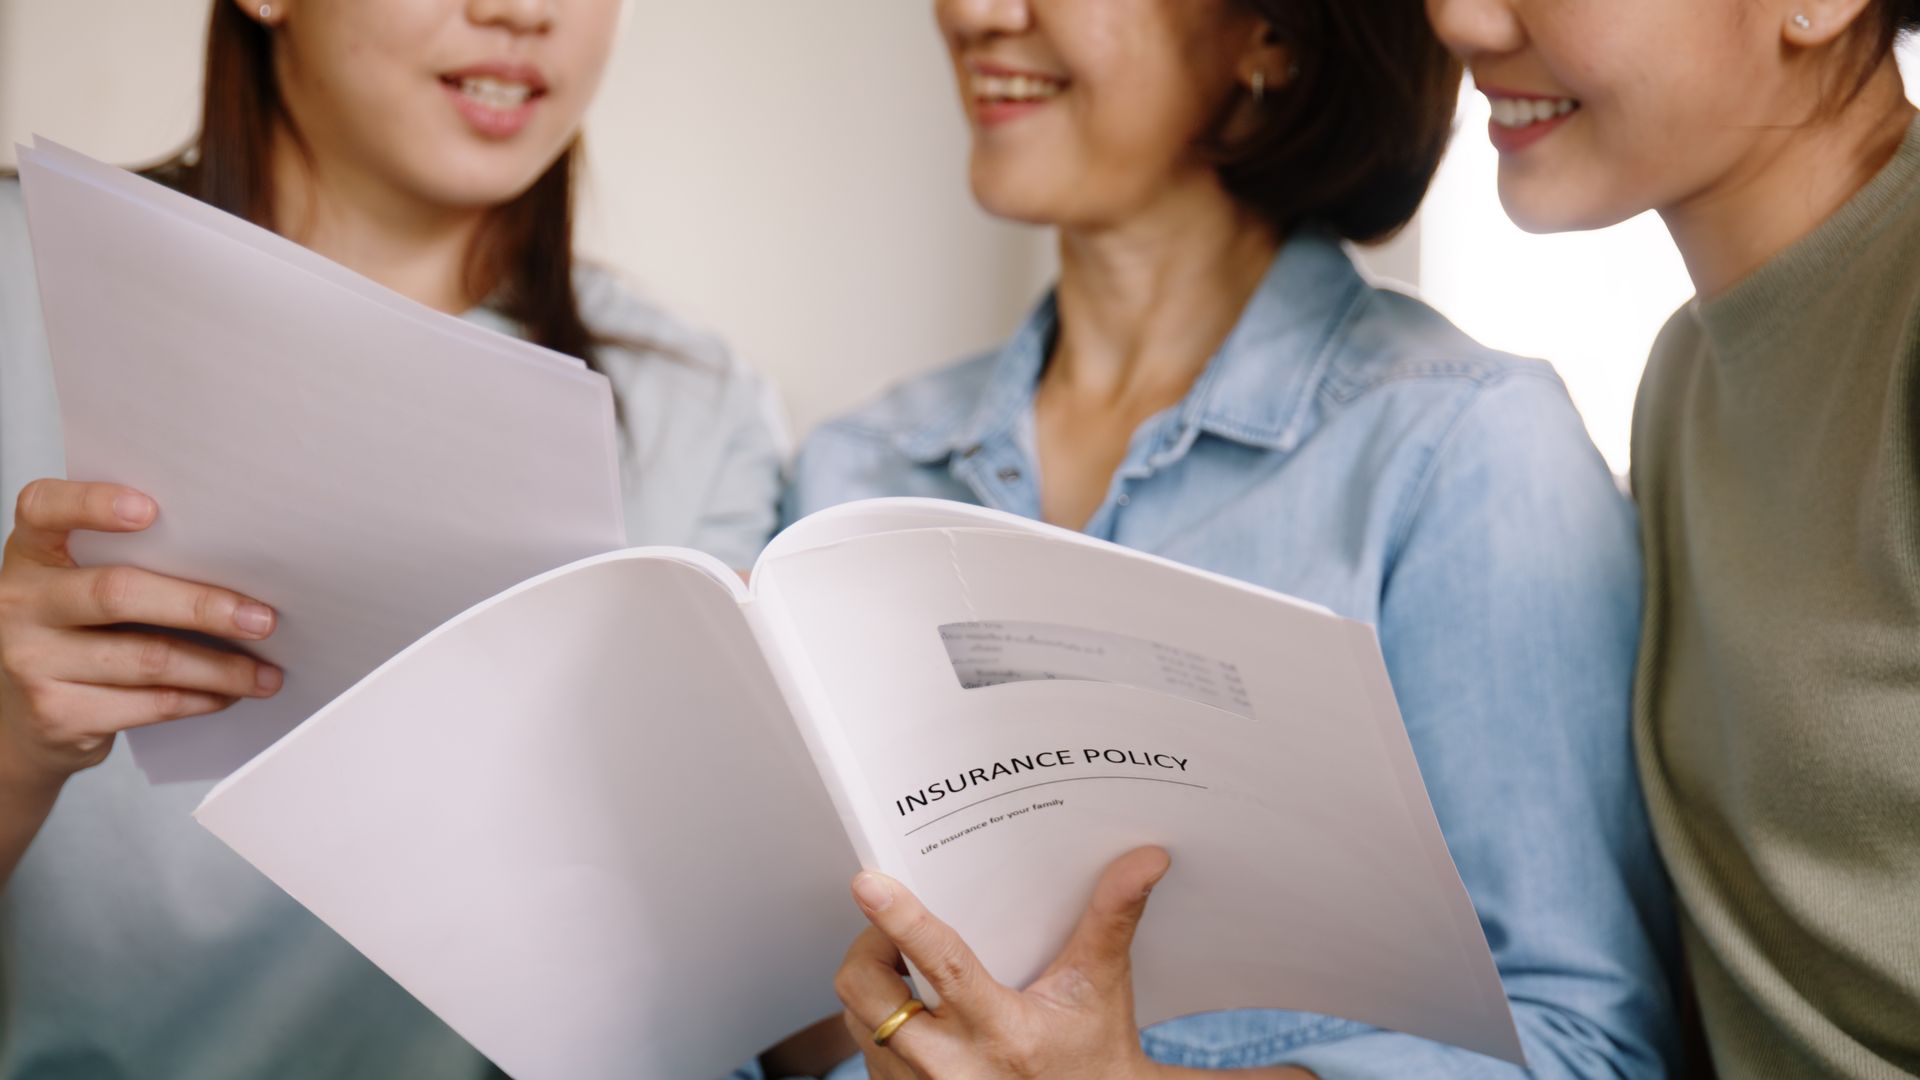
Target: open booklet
column 604, row 823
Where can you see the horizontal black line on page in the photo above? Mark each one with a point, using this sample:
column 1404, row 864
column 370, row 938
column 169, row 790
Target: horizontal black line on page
column 1046, row 783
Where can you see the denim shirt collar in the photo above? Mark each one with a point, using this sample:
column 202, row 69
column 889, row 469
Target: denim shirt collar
column 1257, row 389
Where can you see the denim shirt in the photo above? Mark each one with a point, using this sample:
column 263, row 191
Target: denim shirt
column 1349, row 446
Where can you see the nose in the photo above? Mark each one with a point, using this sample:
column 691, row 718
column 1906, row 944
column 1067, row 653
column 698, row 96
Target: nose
column 1476, row 28
column 975, row 19
column 520, row 16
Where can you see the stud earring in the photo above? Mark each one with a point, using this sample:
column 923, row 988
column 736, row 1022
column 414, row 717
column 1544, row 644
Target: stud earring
column 1259, row 87
column 266, row 12
column 1801, row 21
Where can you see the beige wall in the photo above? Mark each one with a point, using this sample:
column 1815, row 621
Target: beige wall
column 793, row 174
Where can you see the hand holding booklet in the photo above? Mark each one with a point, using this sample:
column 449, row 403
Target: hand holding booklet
column 603, row 823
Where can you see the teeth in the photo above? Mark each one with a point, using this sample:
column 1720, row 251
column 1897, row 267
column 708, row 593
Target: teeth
column 496, row 93
column 1521, row 112
column 1015, row 88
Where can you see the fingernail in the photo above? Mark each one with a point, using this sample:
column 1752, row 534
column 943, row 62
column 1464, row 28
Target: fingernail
column 873, row 891
column 133, row 509
column 253, row 618
column 267, row 680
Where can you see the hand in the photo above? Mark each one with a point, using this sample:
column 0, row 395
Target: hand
column 69, row 681
column 1075, row 1022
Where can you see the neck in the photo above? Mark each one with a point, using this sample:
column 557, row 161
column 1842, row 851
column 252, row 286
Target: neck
column 1145, row 304
column 417, row 249
column 1798, row 176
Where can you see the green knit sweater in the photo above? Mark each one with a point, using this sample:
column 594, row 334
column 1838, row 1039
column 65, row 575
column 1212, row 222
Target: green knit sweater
column 1776, row 455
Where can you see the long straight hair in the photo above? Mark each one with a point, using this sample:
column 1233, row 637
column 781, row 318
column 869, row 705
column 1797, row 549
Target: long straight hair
column 522, row 256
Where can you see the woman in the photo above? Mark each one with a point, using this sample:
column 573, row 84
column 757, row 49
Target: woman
column 431, row 145
column 1777, row 467
column 1212, row 381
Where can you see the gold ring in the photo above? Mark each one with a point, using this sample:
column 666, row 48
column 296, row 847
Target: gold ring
column 892, row 1023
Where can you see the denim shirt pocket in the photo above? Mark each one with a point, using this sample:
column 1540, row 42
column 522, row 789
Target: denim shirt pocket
column 1242, row 1038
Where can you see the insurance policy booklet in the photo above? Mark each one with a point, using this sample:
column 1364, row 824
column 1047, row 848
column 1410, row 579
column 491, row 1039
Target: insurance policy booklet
column 604, row 823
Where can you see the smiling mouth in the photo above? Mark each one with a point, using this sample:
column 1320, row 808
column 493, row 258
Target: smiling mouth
column 995, row 89
column 494, row 93
column 1511, row 112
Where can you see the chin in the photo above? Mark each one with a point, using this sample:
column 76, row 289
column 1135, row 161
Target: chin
column 1006, row 198
column 485, row 179
column 1540, row 206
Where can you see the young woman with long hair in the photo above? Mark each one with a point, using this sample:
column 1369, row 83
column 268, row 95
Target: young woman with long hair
column 433, row 146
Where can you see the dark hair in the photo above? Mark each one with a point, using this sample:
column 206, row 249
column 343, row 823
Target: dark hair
column 1885, row 23
column 1351, row 140
column 521, row 260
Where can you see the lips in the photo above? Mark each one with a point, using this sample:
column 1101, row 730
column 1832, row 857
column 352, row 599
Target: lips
column 496, row 98
column 1001, row 94
column 1521, row 119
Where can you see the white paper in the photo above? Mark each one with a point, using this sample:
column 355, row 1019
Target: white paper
column 363, row 464
column 1308, row 870
column 577, row 823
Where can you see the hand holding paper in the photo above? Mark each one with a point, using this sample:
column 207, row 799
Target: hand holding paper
column 69, row 681
column 363, row 464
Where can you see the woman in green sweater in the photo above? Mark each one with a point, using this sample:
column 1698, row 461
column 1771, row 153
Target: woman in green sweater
column 1776, row 460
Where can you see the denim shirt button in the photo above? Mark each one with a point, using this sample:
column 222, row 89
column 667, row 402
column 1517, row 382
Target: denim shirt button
column 1123, row 499
column 1010, row 475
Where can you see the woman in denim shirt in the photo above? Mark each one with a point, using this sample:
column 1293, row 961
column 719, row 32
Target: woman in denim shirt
column 1212, row 381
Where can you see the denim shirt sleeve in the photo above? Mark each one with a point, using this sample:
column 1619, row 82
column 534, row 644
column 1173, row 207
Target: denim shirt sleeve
column 740, row 507
column 1509, row 621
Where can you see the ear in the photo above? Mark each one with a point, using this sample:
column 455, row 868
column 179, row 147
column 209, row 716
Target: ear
column 268, row 13
column 1812, row 24
column 1265, row 60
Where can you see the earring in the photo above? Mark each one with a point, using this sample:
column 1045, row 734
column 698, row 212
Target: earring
column 1259, row 87
column 1801, row 21
column 266, row 12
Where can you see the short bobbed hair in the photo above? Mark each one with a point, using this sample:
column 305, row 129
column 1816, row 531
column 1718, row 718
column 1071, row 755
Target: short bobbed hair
column 1351, row 139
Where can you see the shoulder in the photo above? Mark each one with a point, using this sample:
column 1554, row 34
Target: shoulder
column 13, row 204
column 937, row 402
column 1415, row 380
column 895, row 444
column 19, row 286
column 1394, row 342
column 16, row 254
column 664, row 366
column 1496, row 436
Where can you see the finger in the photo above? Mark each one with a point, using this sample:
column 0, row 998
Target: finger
column 1102, row 945
column 117, row 658
column 881, row 1062
column 109, row 709
column 934, row 947
column 868, row 982
column 106, row 595
column 50, row 509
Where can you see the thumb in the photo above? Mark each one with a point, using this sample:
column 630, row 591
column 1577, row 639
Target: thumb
column 1102, row 945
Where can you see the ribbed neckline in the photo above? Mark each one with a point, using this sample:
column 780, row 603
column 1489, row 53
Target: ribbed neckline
column 1748, row 313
